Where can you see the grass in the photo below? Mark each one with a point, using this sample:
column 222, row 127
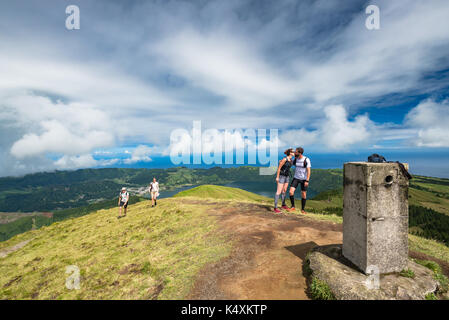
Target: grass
column 429, row 199
column 221, row 192
column 151, row 253
column 407, row 273
column 437, row 273
column 319, row 290
column 431, row 247
column 431, row 296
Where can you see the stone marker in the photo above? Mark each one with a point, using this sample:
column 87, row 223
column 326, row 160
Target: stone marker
column 375, row 216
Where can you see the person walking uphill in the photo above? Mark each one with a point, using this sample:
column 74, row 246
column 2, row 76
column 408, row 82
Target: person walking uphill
column 123, row 199
column 154, row 191
column 302, row 176
column 283, row 178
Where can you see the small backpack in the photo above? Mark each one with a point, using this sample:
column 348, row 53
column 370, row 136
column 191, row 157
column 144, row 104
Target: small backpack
column 376, row 158
column 304, row 163
column 285, row 170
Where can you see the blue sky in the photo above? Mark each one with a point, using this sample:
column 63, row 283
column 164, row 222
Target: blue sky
column 112, row 92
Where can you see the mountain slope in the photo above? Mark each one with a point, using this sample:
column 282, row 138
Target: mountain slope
column 151, row 253
column 220, row 192
column 69, row 189
column 211, row 242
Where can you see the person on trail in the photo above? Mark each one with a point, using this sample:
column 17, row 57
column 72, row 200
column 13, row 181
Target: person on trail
column 302, row 176
column 283, row 178
column 123, row 199
column 154, row 191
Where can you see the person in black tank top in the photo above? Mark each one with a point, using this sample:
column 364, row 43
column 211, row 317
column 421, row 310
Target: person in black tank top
column 282, row 179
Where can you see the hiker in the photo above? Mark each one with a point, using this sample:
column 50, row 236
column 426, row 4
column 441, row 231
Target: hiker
column 154, row 191
column 302, row 175
column 123, row 199
column 283, row 178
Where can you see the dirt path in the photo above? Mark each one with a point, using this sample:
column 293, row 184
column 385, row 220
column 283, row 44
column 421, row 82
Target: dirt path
column 266, row 261
column 20, row 245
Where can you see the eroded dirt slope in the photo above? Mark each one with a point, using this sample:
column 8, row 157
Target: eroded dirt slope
column 267, row 255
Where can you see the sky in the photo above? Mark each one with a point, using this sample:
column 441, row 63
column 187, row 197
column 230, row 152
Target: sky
column 112, row 92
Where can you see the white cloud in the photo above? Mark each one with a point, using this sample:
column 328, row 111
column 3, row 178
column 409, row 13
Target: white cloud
column 227, row 63
column 430, row 120
column 335, row 131
column 227, row 66
column 57, row 138
column 338, row 132
column 140, row 153
column 75, row 162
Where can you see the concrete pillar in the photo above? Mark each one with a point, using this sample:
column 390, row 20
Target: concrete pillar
column 375, row 216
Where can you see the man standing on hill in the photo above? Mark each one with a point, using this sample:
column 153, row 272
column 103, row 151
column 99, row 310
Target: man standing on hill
column 154, row 191
column 123, row 199
column 302, row 175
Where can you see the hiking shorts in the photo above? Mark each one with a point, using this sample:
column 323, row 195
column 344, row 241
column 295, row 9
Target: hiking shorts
column 122, row 204
column 284, row 179
column 295, row 183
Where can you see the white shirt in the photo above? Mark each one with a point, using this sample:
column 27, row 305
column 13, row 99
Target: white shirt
column 300, row 171
column 124, row 196
column 154, row 186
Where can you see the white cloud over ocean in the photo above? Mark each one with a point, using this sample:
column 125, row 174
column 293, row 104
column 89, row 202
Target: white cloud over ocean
column 136, row 70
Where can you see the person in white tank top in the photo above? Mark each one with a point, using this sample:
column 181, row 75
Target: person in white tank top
column 154, row 191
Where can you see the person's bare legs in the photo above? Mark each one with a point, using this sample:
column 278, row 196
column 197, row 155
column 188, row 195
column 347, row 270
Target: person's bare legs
column 152, row 199
column 119, row 210
column 125, row 209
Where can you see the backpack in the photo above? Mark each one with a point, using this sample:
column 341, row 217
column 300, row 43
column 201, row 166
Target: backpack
column 304, row 163
column 285, row 170
column 376, row 158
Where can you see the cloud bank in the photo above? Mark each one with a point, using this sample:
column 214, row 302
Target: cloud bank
column 136, row 71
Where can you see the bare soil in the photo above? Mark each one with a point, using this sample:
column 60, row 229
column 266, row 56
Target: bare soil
column 6, row 251
column 267, row 255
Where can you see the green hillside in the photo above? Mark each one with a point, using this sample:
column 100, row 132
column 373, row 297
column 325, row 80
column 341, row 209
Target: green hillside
column 220, row 192
column 74, row 193
column 153, row 253
column 69, row 189
column 428, row 202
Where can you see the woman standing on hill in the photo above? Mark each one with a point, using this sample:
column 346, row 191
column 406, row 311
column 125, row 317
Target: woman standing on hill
column 123, row 199
column 282, row 179
column 154, row 191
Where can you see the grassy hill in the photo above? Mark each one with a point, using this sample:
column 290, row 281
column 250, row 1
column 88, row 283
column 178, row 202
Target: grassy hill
column 69, row 194
column 68, row 189
column 220, row 192
column 428, row 201
column 153, row 253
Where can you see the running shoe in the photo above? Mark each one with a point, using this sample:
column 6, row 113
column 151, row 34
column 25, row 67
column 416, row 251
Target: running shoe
column 277, row 210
